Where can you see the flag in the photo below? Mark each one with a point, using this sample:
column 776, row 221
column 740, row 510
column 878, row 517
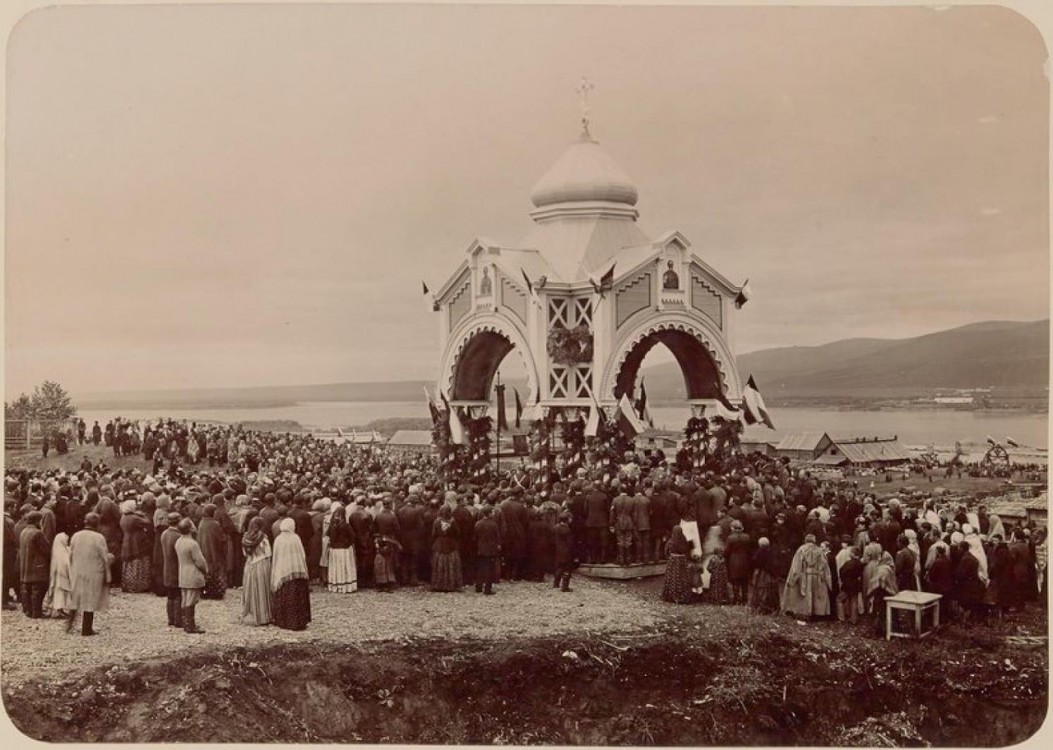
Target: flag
column 991, row 440
column 744, row 294
column 754, row 404
column 627, row 420
column 424, row 286
column 457, row 435
column 731, row 415
column 722, row 398
column 641, row 406
column 519, row 407
column 1012, row 442
column 530, row 287
column 605, row 283
column 502, row 420
column 592, row 424
column 432, row 409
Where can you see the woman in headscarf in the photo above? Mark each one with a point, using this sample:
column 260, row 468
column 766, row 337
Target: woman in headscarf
column 717, row 567
column 764, row 596
column 160, row 521
column 214, row 547
column 60, row 587
column 939, row 577
column 446, row 556
column 256, row 581
column 323, row 558
column 915, row 548
column 677, row 587
column 110, row 528
column 136, row 549
column 879, row 582
column 976, row 547
column 290, row 588
column 997, row 528
column 343, row 576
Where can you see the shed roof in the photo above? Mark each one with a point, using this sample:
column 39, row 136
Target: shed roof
column 873, row 451
column 802, row 441
column 421, row 438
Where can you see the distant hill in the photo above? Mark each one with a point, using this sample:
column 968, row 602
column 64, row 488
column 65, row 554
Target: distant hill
column 399, row 390
column 1003, row 355
column 1009, row 357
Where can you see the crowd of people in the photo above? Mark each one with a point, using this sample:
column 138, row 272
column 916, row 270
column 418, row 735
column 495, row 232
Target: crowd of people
column 217, row 508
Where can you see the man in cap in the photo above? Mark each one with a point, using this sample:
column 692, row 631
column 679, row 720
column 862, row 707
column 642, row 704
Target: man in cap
column 169, row 537
column 34, row 555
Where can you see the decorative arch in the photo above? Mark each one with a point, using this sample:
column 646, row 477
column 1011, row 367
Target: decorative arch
column 701, row 353
column 474, row 354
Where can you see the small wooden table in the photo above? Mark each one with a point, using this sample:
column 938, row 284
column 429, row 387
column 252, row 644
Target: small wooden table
column 917, row 602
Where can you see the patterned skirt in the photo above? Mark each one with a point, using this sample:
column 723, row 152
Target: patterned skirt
column 137, row 575
column 677, row 588
column 343, row 576
column 291, row 605
column 764, row 597
column 215, row 584
column 446, row 572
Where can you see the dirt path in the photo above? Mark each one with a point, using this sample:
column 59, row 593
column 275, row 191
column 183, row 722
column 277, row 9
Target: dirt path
column 606, row 664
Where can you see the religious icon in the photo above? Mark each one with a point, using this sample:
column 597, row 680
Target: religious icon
column 670, row 280
column 485, row 284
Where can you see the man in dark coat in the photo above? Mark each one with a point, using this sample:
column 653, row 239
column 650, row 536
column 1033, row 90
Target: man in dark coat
column 738, row 552
column 660, row 526
column 411, row 522
column 34, row 557
column 302, row 518
column 968, row 588
column 10, row 570
column 171, row 570
column 597, row 522
column 487, row 551
column 564, row 552
column 623, row 521
column 96, row 433
column 642, row 520
column 514, row 522
column 269, row 515
column 464, row 522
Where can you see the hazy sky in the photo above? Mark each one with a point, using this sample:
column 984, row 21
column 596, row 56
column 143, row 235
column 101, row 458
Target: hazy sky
column 251, row 195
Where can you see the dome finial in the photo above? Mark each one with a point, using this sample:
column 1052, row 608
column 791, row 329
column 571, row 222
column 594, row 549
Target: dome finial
column 583, row 101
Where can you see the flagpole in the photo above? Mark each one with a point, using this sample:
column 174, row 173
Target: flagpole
column 500, row 404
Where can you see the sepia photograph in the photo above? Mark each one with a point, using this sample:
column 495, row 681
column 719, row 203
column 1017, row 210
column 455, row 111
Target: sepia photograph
column 510, row 374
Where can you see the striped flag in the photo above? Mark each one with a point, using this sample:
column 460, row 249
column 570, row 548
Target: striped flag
column 626, row 418
column 592, row 424
column 432, row 409
column 457, row 433
column 753, row 403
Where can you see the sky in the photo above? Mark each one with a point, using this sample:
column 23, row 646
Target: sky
column 206, row 196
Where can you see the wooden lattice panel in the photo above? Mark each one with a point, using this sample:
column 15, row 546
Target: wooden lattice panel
column 706, row 300
column 632, row 298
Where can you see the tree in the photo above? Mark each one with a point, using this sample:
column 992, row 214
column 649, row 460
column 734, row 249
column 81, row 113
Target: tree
column 50, row 404
column 20, row 408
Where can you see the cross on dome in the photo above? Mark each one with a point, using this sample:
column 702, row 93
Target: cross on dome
column 583, row 102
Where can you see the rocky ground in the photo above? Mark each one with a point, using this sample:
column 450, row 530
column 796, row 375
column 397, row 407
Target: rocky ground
column 605, row 664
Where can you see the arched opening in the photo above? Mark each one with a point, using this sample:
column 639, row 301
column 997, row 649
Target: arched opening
column 675, row 364
column 481, row 360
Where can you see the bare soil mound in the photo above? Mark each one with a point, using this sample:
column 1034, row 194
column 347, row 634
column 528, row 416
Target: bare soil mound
column 670, row 685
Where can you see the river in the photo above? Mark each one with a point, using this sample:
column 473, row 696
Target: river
column 921, row 427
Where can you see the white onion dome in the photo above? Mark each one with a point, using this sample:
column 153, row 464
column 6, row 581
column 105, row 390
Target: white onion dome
column 585, row 172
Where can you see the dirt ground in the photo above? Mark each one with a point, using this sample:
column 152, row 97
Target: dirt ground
column 605, row 664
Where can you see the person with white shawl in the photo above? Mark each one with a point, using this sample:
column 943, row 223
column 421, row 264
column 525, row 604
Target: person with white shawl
column 60, row 587
column 977, row 548
column 290, row 587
